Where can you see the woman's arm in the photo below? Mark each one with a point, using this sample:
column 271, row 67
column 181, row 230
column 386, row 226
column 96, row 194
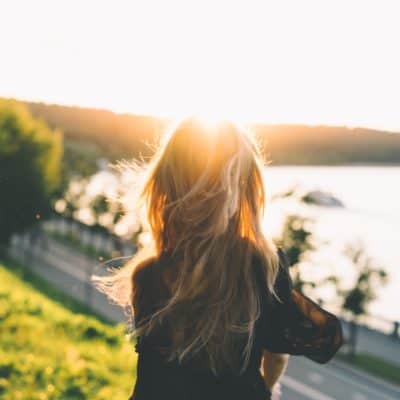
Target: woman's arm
column 273, row 367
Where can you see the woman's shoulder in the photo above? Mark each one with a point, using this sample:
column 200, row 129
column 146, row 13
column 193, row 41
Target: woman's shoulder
column 144, row 269
column 283, row 258
column 283, row 281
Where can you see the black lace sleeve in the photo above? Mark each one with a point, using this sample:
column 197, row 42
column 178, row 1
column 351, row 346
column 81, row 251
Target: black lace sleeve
column 297, row 325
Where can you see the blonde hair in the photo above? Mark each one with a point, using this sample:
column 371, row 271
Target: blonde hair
column 205, row 198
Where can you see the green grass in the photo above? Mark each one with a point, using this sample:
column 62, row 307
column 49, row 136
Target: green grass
column 375, row 366
column 51, row 347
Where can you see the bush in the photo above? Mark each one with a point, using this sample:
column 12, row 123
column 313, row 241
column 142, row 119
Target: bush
column 30, row 159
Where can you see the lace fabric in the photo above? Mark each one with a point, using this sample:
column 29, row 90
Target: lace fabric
column 297, row 325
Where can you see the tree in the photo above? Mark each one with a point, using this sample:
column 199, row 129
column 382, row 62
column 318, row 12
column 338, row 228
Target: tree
column 363, row 291
column 30, row 156
column 297, row 242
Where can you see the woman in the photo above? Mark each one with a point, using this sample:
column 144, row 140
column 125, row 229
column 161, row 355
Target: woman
column 213, row 299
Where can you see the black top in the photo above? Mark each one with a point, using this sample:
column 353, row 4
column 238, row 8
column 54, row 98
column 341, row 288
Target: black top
column 296, row 326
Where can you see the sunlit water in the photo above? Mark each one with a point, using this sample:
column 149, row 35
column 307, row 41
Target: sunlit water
column 371, row 196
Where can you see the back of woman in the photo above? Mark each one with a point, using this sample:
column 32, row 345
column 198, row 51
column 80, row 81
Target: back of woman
column 192, row 378
column 212, row 295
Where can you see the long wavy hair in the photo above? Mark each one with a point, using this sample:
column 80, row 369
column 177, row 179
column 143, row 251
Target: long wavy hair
column 205, row 197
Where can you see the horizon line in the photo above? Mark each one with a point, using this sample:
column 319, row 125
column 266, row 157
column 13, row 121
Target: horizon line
column 173, row 118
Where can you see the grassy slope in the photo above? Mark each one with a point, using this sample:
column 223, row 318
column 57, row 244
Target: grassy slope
column 53, row 348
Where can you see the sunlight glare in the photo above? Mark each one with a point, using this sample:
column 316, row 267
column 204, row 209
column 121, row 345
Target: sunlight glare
column 271, row 61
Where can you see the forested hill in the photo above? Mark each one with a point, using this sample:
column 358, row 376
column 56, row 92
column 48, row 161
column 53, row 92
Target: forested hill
column 319, row 145
column 123, row 135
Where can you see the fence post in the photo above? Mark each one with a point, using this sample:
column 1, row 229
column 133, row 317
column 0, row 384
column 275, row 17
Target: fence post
column 352, row 339
column 395, row 333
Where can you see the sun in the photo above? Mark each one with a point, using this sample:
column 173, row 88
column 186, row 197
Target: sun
column 244, row 61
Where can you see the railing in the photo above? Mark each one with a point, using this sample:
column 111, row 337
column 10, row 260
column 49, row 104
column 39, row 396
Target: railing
column 94, row 241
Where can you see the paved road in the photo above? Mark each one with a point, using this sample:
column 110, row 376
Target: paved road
column 304, row 380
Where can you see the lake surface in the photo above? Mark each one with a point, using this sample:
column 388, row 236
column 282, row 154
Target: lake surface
column 371, row 195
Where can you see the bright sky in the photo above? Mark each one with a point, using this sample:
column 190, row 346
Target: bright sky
column 321, row 61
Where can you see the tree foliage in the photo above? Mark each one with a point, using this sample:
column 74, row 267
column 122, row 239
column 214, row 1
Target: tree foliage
column 367, row 281
column 297, row 241
column 30, row 154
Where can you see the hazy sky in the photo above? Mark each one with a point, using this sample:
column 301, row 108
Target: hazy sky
column 322, row 61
